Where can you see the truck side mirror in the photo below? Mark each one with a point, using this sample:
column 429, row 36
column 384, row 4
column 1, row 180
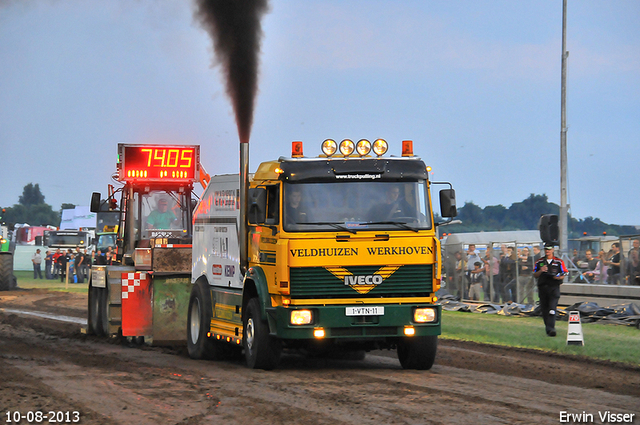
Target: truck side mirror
column 549, row 230
column 448, row 203
column 257, row 205
column 95, row 202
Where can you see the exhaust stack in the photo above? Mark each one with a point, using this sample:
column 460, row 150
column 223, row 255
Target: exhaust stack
column 236, row 31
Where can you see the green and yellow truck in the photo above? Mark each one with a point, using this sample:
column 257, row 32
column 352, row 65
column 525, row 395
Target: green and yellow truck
column 337, row 252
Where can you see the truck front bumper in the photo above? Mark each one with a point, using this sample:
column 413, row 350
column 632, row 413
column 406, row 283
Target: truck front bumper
column 338, row 325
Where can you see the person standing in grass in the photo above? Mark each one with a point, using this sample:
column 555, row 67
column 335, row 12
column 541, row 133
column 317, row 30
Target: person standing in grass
column 48, row 264
column 36, row 259
column 550, row 271
column 56, row 264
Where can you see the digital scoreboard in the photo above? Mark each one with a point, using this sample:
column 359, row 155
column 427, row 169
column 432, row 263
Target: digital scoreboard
column 158, row 163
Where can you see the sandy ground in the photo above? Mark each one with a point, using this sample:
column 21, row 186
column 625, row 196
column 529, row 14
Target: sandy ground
column 50, row 366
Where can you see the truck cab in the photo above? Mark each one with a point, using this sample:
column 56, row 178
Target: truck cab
column 342, row 255
column 67, row 238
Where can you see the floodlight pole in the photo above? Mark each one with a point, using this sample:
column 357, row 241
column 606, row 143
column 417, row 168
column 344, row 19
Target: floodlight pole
column 563, row 219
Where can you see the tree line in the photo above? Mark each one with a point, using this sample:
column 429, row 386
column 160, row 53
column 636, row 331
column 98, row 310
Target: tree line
column 32, row 209
column 525, row 216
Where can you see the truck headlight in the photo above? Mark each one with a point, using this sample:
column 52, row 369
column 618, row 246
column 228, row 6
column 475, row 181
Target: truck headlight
column 424, row 315
column 301, row 317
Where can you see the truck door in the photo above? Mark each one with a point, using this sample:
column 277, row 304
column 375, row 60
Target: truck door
column 263, row 238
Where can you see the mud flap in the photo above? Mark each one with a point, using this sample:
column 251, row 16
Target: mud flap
column 137, row 319
column 170, row 308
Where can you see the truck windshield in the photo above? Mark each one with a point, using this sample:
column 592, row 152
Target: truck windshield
column 356, row 206
column 69, row 240
column 106, row 241
column 163, row 214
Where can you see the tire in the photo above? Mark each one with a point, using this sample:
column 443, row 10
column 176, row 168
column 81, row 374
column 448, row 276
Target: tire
column 6, row 272
column 93, row 309
column 103, row 297
column 261, row 350
column 98, row 309
column 198, row 323
column 418, row 352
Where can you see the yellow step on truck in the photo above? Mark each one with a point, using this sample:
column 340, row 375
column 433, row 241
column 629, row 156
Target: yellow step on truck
column 339, row 253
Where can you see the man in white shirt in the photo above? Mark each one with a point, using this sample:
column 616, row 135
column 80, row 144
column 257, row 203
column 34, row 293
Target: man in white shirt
column 36, row 259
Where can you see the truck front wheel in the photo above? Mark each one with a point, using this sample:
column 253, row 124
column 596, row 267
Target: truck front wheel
column 418, row 352
column 261, row 350
column 6, row 272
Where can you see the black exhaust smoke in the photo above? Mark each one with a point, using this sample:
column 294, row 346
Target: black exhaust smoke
column 234, row 26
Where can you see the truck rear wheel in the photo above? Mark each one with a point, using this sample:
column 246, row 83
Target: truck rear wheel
column 261, row 350
column 6, row 272
column 418, row 352
column 198, row 322
column 104, row 311
column 98, row 311
column 94, row 309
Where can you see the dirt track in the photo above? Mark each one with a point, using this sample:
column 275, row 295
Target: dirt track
column 50, row 366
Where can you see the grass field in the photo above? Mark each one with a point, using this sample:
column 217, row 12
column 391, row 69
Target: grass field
column 26, row 281
column 602, row 341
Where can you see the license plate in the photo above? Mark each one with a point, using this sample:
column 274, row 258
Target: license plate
column 365, row 311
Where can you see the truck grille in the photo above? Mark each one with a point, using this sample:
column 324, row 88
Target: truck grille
column 319, row 282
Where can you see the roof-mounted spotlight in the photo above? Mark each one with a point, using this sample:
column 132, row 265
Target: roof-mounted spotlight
column 363, row 147
column 329, row 147
column 380, row 147
column 347, row 147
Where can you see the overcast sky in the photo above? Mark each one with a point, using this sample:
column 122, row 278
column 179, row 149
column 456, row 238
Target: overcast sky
column 475, row 84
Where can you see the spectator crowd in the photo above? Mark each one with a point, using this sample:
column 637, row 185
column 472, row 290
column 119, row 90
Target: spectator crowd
column 506, row 275
column 77, row 265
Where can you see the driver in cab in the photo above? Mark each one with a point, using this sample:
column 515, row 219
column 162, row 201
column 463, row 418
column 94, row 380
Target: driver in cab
column 162, row 217
column 393, row 206
column 295, row 214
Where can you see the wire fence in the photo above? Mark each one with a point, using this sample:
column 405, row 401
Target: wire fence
column 501, row 271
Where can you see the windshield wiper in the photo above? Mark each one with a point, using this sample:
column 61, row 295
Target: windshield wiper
column 397, row 223
column 338, row 226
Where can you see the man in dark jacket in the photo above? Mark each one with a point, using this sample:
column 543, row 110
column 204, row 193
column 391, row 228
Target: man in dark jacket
column 550, row 271
column 79, row 264
column 62, row 266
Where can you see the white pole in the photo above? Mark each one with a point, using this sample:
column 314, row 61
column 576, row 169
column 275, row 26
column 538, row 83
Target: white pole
column 564, row 249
